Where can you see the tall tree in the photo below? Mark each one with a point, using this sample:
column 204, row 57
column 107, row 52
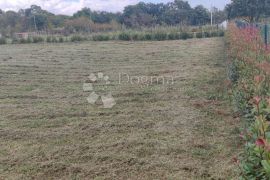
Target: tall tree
column 37, row 17
column 138, row 15
column 96, row 16
column 85, row 12
column 178, row 12
column 80, row 24
column 201, row 15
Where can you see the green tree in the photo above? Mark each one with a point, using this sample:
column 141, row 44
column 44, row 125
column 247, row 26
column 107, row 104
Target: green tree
column 96, row 16
column 252, row 9
column 201, row 15
column 218, row 15
column 178, row 12
column 138, row 15
column 80, row 24
column 85, row 12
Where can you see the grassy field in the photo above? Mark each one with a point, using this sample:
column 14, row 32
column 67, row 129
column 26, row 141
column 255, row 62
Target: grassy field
column 179, row 130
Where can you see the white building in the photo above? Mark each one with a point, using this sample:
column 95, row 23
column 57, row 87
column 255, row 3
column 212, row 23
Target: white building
column 224, row 24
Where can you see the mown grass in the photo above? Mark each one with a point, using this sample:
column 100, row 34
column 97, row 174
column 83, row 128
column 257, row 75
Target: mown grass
column 48, row 130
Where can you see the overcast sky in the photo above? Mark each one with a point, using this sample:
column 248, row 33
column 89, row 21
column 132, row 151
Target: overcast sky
column 68, row 7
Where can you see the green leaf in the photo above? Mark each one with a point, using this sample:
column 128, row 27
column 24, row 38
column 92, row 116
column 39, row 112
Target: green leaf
column 266, row 166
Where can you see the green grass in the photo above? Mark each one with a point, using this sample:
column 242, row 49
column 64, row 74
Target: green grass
column 49, row 131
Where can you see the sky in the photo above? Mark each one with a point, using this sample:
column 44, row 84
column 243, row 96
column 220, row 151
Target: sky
column 68, row 7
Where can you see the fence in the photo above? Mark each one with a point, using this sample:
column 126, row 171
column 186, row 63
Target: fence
column 264, row 29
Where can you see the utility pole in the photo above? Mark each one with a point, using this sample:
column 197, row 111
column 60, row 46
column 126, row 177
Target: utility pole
column 211, row 14
column 35, row 23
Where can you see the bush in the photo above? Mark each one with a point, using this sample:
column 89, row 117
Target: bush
column 29, row 40
column 114, row 37
column 207, row 34
column 135, row 37
column 54, row 39
column 61, row 39
column 3, row 41
column 199, row 35
column 14, row 41
column 160, row 36
column 77, row 38
column 101, row 37
column 249, row 73
column 49, row 39
column 221, row 33
column 173, row 36
column 124, row 36
column 178, row 35
column 147, row 37
column 23, row 41
column 37, row 39
column 185, row 35
column 214, row 34
column 141, row 37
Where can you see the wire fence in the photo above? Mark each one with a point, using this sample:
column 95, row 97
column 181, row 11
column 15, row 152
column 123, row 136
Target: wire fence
column 264, row 29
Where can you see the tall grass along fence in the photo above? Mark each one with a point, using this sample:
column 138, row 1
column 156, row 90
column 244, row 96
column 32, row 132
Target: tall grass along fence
column 249, row 82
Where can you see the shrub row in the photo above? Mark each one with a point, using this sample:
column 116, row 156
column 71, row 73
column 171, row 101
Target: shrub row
column 210, row 34
column 155, row 36
column 249, row 82
column 3, row 41
column 38, row 39
column 48, row 39
column 77, row 38
column 123, row 36
column 101, row 37
column 161, row 36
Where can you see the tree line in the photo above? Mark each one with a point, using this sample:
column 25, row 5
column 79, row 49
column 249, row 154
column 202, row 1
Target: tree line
column 86, row 20
column 250, row 10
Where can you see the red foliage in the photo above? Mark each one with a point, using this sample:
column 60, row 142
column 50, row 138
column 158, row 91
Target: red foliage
column 260, row 142
column 257, row 100
column 258, row 79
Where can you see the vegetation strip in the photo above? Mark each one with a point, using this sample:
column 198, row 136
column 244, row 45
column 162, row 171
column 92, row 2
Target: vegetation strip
column 123, row 36
column 249, row 73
